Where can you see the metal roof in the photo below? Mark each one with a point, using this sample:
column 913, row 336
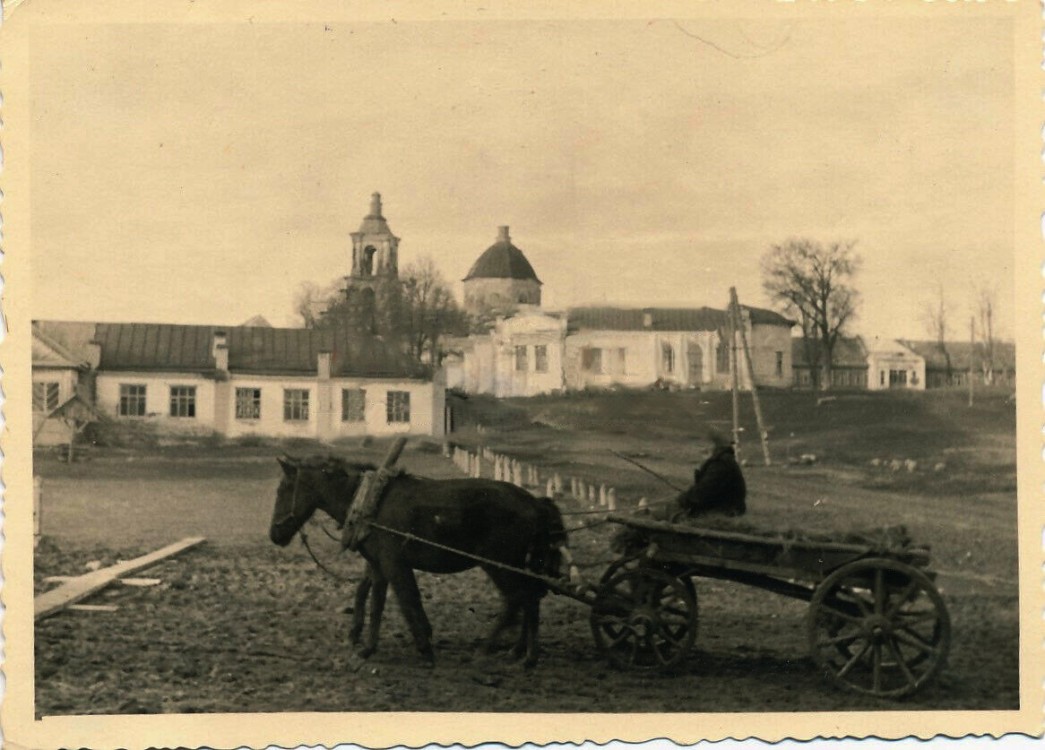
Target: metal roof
column 166, row 347
column 1004, row 353
column 662, row 318
column 502, row 260
column 848, row 352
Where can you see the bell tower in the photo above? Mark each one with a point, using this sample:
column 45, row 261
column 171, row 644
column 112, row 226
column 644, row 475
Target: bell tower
column 375, row 250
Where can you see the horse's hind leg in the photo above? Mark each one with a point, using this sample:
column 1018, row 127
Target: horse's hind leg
column 355, row 635
column 379, row 585
column 508, row 615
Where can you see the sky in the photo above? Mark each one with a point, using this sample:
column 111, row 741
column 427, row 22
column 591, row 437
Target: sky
column 200, row 174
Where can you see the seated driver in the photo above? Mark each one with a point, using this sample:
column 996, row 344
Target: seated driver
column 718, row 484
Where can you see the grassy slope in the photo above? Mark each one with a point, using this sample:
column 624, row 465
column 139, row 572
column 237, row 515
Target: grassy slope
column 977, row 444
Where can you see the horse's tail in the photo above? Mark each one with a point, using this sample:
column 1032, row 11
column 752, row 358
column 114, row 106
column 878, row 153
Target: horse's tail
column 546, row 549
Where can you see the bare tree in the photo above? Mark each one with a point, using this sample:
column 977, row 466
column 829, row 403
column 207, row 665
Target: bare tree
column 429, row 310
column 986, row 302
column 935, row 315
column 311, row 300
column 412, row 311
column 813, row 283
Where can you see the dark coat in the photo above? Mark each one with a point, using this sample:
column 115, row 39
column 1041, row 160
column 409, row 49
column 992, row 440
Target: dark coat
column 718, row 486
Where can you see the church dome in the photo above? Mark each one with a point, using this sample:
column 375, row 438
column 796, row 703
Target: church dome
column 502, row 260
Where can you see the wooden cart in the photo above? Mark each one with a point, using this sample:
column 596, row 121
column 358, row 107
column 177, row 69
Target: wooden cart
column 876, row 622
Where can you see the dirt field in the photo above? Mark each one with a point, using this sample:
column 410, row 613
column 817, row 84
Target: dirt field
column 240, row 625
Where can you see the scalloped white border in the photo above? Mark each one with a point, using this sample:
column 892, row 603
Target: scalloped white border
column 389, row 730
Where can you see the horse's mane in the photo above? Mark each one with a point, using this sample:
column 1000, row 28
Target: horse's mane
column 335, row 463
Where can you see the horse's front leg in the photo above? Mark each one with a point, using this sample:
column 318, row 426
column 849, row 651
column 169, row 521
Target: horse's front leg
column 379, row 590
column 531, row 624
column 405, row 585
column 355, row 635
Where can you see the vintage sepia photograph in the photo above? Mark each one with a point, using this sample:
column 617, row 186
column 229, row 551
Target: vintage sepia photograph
column 520, row 362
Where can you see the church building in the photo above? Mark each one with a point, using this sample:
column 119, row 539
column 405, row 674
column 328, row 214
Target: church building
column 501, row 279
column 528, row 350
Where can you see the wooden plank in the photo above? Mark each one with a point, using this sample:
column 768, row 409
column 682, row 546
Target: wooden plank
column 92, row 608
column 141, row 581
column 83, row 586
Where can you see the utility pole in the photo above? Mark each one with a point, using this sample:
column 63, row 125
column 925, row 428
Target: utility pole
column 743, row 316
column 735, row 368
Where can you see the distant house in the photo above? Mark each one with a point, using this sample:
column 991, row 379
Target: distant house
column 859, row 363
column 962, row 353
column 891, row 365
column 848, row 364
column 59, row 382
column 252, row 380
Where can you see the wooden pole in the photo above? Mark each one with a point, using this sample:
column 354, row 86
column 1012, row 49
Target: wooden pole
column 972, row 349
column 744, row 317
column 734, row 368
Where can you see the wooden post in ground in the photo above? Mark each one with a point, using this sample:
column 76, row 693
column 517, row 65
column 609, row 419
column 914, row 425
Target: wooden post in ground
column 611, row 499
column 734, row 369
column 549, row 489
column 744, row 317
column 972, row 348
column 557, row 482
column 38, row 507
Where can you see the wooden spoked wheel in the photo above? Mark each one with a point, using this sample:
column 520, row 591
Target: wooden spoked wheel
column 644, row 619
column 879, row 627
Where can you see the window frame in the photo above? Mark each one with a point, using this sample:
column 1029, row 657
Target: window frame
column 397, row 407
column 254, row 400
column 540, row 358
column 296, row 404
column 354, row 416
column 181, row 401
column 667, row 358
column 591, row 360
column 522, row 359
column 126, row 398
column 47, row 389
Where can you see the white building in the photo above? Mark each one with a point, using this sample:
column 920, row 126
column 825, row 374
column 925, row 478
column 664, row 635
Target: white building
column 891, row 365
column 266, row 381
column 522, row 355
column 533, row 351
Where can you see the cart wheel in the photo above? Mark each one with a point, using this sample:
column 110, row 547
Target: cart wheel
column 635, row 562
column 879, row 627
column 644, row 619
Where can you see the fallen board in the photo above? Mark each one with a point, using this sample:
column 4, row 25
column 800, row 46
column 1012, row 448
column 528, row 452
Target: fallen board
column 83, row 586
column 92, row 608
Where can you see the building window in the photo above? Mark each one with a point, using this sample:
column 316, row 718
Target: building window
column 622, row 361
column 353, row 405
column 520, row 359
column 248, row 403
column 591, row 360
column 540, row 358
column 780, row 364
column 132, row 401
column 721, row 356
column 183, row 401
column 898, row 378
column 667, row 358
column 45, row 397
column 398, row 406
column 295, row 405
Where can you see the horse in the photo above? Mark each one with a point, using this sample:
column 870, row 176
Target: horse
column 496, row 525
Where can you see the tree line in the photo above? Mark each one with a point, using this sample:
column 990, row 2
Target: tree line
column 814, row 284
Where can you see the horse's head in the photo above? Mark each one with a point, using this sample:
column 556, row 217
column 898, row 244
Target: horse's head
column 308, row 485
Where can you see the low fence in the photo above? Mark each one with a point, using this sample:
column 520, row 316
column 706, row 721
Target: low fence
column 499, row 467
